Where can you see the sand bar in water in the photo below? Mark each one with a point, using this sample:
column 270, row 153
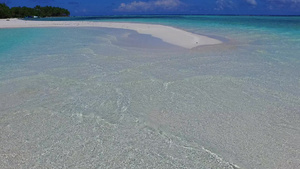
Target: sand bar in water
column 168, row 34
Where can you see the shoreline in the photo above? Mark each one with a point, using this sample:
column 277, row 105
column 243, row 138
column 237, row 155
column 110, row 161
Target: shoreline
column 167, row 34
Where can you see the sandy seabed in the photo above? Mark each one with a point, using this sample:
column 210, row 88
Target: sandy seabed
column 82, row 98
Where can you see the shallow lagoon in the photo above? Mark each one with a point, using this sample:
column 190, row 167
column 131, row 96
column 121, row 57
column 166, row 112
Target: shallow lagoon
column 109, row 98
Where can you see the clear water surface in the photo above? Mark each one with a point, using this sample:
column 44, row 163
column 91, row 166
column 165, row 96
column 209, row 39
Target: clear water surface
column 111, row 98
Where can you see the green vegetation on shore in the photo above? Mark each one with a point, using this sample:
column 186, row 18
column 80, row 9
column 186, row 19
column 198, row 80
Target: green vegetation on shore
column 22, row 12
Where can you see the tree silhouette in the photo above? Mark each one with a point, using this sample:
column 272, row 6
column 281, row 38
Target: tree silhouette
column 4, row 11
column 21, row 12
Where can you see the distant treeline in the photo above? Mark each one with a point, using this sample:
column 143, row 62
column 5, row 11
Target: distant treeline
column 22, row 12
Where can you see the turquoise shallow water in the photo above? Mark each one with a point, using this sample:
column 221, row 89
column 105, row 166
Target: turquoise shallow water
column 111, row 98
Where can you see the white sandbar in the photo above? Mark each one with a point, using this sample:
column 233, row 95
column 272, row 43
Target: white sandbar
column 166, row 33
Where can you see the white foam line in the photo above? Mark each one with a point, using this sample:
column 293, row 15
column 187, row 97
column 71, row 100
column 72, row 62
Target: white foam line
column 220, row 159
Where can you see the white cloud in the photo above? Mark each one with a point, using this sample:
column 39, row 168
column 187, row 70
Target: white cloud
column 252, row 2
column 273, row 4
column 230, row 4
column 285, row 1
column 222, row 4
column 141, row 6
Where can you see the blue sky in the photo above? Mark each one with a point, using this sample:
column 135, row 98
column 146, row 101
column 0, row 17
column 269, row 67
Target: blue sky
column 114, row 7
